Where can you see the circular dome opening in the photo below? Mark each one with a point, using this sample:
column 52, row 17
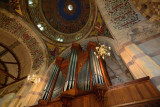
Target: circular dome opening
column 70, row 7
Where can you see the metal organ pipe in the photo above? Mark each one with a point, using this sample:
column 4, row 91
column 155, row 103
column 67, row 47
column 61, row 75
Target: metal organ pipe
column 74, row 70
column 84, row 77
column 68, row 73
column 93, row 68
column 50, row 83
column 52, row 80
column 70, row 80
column 89, row 75
column 99, row 71
column 96, row 70
column 71, row 71
column 47, row 86
column 59, row 85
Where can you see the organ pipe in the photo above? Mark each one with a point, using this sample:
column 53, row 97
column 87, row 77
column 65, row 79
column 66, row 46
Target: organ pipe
column 75, row 76
column 70, row 80
column 84, row 77
column 97, row 77
column 59, row 85
column 50, row 83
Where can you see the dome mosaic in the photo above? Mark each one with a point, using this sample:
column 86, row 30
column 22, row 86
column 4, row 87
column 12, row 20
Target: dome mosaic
column 62, row 21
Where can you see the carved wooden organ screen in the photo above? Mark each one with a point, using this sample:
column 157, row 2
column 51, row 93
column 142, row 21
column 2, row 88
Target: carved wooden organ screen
column 81, row 80
column 76, row 74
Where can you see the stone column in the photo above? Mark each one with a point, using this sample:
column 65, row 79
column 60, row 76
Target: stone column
column 139, row 64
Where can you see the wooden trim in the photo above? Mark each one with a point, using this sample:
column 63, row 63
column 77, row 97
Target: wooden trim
column 8, row 75
column 10, row 62
column 76, row 46
column 129, row 83
column 147, row 88
column 2, row 84
column 105, row 73
column 8, row 50
column 14, row 82
column 58, row 62
column 91, row 45
column 137, row 102
column 54, row 83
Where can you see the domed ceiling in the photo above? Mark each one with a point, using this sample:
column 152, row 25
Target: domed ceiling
column 66, row 16
column 62, row 21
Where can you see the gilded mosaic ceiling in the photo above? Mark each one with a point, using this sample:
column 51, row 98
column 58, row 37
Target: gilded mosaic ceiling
column 66, row 16
column 61, row 21
column 98, row 26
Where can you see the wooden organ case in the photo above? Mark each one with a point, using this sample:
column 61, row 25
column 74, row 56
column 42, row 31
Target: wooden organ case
column 82, row 80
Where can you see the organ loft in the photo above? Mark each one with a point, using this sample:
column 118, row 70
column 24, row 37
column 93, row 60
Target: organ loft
column 79, row 53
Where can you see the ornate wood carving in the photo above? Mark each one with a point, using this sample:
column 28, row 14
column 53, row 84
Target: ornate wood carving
column 99, row 91
column 138, row 92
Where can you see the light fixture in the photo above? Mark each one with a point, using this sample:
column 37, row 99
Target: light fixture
column 32, row 3
column 70, row 7
column 33, row 78
column 42, row 26
column 102, row 50
column 60, row 38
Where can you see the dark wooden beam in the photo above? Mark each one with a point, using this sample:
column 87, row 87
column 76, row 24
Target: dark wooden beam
column 8, row 75
column 14, row 82
column 2, row 85
column 10, row 62
column 8, row 49
column 3, row 53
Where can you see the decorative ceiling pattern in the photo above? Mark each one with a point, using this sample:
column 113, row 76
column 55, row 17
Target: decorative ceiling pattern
column 100, row 28
column 62, row 21
column 53, row 51
column 15, row 28
column 13, row 4
column 121, row 13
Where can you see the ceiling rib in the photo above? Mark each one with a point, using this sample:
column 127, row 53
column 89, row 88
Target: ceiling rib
column 10, row 62
column 7, row 74
column 14, row 82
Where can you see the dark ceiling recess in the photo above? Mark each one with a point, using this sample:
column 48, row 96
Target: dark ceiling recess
column 5, row 1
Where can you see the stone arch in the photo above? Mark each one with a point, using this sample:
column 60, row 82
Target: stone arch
column 26, row 35
column 17, row 29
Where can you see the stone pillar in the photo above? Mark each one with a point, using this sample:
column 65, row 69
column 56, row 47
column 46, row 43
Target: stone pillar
column 139, row 64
